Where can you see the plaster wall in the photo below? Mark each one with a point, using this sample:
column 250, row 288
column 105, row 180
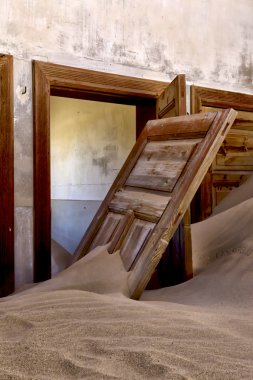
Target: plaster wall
column 89, row 144
column 211, row 41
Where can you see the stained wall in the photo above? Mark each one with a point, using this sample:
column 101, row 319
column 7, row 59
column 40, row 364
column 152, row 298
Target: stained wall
column 211, row 41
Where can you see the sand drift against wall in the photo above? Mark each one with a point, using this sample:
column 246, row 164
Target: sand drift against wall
column 81, row 324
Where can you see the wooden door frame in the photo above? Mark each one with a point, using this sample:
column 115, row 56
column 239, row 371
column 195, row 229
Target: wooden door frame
column 6, row 177
column 209, row 97
column 217, row 98
column 52, row 79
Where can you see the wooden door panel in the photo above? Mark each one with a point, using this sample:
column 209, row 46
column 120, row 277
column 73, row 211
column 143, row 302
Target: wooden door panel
column 161, row 164
column 134, row 241
column 217, row 127
column 145, row 242
column 146, row 205
column 107, row 230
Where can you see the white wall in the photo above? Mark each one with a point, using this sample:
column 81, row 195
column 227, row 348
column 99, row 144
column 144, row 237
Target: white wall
column 89, row 143
column 211, row 41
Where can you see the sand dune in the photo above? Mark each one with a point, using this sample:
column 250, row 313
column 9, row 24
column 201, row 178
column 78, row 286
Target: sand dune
column 82, row 325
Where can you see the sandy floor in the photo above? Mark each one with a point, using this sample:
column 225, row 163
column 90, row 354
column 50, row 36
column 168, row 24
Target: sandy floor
column 82, row 325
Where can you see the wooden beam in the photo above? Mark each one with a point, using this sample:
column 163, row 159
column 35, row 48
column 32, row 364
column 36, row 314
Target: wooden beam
column 6, row 177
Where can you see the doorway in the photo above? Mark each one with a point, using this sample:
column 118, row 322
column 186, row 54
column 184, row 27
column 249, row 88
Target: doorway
column 89, row 142
column 152, row 99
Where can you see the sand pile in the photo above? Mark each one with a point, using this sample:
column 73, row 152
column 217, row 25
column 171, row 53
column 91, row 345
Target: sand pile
column 82, row 325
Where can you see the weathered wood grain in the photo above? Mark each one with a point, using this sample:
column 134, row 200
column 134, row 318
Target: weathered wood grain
column 232, row 156
column 146, row 205
column 107, row 230
column 179, row 97
column 161, row 164
column 161, row 129
column 243, row 121
column 181, row 198
column 121, row 231
column 134, row 241
column 6, row 177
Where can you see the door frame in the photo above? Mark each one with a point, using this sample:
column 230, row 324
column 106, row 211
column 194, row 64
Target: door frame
column 58, row 80
column 201, row 207
column 6, row 177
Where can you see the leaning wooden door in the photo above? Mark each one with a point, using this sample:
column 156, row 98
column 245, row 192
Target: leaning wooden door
column 176, row 264
column 234, row 161
column 6, row 177
column 153, row 190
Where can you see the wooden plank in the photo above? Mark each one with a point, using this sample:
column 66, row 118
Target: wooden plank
column 6, row 177
column 161, row 164
column 121, row 231
column 221, row 99
column 107, row 230
column 244, row 120
column 134, row 241
column 96, row 81
column 146, row 205
column 180, row 128
column 172, row 101
column 181, row 198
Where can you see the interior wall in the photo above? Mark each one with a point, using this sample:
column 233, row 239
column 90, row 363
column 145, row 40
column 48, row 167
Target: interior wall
column 89, row 144
column 210, row 41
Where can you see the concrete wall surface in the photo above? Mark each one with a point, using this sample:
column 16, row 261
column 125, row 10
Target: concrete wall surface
column 211, row 41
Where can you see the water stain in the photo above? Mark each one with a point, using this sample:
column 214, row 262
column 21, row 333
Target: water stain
column 110, row 154
column 245, row 70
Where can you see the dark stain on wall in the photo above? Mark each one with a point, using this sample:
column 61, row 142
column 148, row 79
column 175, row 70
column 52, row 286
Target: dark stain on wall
column 195, row 74
column 110, row 154
column 118, row 49
column 245, row 70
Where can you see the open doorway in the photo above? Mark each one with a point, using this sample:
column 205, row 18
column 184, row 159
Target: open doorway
column 89, row 142
column 152, row 99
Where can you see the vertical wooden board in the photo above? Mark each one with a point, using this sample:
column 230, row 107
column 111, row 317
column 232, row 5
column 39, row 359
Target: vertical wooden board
column 6, row 177
column 135, row 241
column 172, row 101
column 121, row 231
column 182, row 195
column 107, row 230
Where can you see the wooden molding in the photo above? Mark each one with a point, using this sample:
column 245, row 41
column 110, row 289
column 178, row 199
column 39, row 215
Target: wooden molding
column 67, row 81
column 208, row 97
column 6, row 177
